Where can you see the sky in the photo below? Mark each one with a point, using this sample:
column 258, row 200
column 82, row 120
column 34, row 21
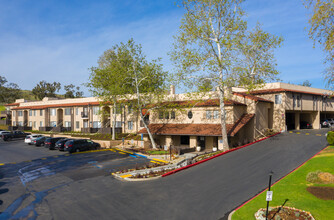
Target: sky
column 59, row 40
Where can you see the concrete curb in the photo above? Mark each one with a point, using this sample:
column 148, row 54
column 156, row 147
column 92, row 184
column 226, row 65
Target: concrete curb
column 230, row 215
column 218, row 155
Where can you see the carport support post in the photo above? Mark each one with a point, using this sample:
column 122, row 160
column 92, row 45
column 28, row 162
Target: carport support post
column 270, row 175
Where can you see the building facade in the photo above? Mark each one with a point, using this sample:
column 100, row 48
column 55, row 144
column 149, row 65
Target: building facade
column 189, row 121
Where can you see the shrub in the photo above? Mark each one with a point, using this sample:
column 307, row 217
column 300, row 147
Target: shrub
column 330, row 137
column 313, row 177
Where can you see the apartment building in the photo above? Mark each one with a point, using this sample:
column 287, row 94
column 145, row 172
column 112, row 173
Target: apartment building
column 192, row 121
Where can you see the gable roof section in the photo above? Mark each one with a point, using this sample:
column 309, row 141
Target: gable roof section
column 198, row 129
column 56, row 105
column 251, row 97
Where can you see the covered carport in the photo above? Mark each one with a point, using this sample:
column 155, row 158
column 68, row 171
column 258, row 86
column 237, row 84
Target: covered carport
column 302, row 120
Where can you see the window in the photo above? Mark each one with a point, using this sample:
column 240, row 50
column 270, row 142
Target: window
column 34, row 124
column 40, row 124
column 14, row 123
column 130, row 109
column 185, row 140
column 166, row 115
column 172, row 115
column 34, row 112
column 130, row 125
column 30, row 112
column 294, row 100
column 53, row 112
column 215, row 114
column 85, row 124
column 77, row 124
column 67, row 111
column 19, row 113
column 53, row 123
column 278, row 99
column 41, row 112
column 30, row 123
column 20, row 123
column 161, row 115
column 190, row 114
column 67, row 124
column 315, row 100
column 76, row 111
column 298, row 101
column 118, row 124
column 96, row 110
column 208, row 114
column 13, row 113
column 96, row 124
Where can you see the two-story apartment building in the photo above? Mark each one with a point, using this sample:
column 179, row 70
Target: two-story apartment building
column 192, row 121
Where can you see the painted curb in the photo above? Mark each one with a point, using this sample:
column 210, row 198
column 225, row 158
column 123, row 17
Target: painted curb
column 218, row 155
column 275, row 183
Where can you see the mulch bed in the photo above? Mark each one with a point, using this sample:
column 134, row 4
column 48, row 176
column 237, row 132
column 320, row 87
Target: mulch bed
column 285, row 213
column 322, row 192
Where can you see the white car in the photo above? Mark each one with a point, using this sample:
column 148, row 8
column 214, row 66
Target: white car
column 4, row 132
column 31, row 137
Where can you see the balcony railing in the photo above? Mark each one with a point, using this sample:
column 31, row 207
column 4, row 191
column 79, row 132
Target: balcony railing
column 84, row 115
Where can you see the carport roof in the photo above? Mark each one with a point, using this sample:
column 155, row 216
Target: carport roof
column 198, row 129
column 269, row 91
column 251, row 97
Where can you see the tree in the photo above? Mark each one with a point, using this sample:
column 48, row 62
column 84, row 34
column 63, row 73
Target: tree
column 45, row 89
column 124, row 74
column 106, row 80
column 322, row 31
column 306, row 83
column 8, row 91
column 72, row 91
column 213, row 44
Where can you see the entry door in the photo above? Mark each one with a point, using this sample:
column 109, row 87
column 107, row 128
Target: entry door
column 201, row 142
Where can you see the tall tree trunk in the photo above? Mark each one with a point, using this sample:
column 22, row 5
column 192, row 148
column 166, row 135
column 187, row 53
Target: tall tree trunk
column 114, row 121
column 154, row 146
column 222, row 118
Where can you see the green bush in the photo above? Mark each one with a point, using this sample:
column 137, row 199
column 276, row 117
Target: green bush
column 330, row 137
column 313, row 177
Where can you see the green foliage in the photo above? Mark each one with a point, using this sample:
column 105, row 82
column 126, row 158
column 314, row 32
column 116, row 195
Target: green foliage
column 2, row 108
column 72, row 91
column 306, row 83
column 330, row 137
column 8, row 91
column 45, row 89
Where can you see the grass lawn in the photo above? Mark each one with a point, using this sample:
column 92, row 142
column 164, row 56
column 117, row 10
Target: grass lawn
column 2, row 108
column 157, row 152
column 293, row 187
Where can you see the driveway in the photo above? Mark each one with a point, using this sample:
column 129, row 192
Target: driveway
column 207, row 191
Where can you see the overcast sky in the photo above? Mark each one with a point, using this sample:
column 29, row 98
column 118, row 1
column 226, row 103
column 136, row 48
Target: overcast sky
column 58, row 40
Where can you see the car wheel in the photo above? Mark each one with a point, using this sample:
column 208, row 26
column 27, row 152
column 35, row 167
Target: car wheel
column 77, row 150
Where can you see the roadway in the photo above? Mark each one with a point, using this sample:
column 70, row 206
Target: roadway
column 207, row 191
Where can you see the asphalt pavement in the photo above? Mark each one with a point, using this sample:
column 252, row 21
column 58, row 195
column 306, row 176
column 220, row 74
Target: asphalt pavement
column 207, row 191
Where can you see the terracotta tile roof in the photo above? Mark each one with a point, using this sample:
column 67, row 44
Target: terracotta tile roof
column 269, row 91
column 198, row 129
column 13, row 104
column 252, row 97
column 197, row 103
column 56, row 105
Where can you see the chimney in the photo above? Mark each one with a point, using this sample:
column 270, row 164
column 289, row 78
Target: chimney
column 172, row 90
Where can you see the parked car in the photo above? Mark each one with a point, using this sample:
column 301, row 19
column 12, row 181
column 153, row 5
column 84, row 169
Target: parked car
column 31, row 137
column 78, row 145
column 50, row 142
column 39, row 141
column 325, row 123
column 305, row 125
column 60, row 145
column 4, row 132
column 14, row 135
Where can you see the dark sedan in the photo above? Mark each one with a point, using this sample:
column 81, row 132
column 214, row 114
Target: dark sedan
column 51, row 142
column 39, row 141
column 78, row 145
column 60, row 145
